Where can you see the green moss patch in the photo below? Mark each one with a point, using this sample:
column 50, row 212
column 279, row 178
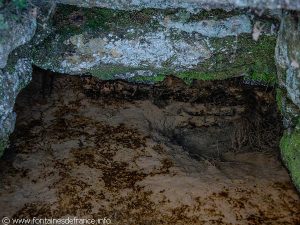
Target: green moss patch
column 290, row 151
column 279, row 99
column 244, row 56
column 72, row 19
column 235, row 57
column 109, row 72
column 147, row 79
column 232, row 58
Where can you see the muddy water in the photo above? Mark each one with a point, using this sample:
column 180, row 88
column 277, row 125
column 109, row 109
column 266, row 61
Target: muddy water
column 164, row 154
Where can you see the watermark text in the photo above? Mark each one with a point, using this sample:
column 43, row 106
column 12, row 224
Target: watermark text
column 54, row 221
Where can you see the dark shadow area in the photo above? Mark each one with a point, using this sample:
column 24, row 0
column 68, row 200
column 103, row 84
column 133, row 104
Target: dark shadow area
column 229, row 115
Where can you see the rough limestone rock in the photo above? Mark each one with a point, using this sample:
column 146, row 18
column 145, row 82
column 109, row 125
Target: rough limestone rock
column 288, row 55
column 191, row 5
column 288, row 66
column 147, row 44
column 15, row 32
column 11, row 82
column 16, row 29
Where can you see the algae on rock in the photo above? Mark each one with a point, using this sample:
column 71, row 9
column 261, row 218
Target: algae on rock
column 290, row 152
column 149, row 44
column 288, row 69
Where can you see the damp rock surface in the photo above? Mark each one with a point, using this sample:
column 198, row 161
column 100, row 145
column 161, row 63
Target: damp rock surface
column 11, row 83
column 288, row 95
column 191, row 5
column 149, row 44
column 288, row 57
column 93, row 149
column 15, row 32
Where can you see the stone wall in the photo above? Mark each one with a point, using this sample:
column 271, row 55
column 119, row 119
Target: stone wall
column 16, row 30
column 288, row 67
column 15, row 73
column 12, row 80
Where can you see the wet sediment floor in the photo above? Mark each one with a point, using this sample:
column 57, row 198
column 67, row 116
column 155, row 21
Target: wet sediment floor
column 147, row 154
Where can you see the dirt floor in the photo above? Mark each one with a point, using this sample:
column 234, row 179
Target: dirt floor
column 147, row 155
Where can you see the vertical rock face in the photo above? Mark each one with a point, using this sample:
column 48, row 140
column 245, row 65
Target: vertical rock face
column 288, row 67
column 15, row 73
column 16, row 30
column 11, row 82
column 288, row 55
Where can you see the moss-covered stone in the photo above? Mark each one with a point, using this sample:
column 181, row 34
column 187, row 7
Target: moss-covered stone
column 279, row 99
column 256, row 59
column 190, row 5
column 73, row 20
column 290, row 151
column 113, row 44
column 232, row 57
column 287, row 108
